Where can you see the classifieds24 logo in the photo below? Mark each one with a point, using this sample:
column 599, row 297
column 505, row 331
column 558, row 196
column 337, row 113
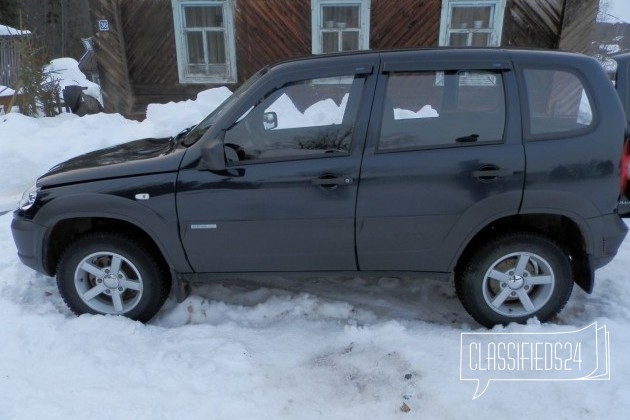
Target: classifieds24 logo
column 578, row 355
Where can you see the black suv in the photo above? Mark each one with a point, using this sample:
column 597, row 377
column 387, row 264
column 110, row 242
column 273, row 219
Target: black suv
column 500, row 168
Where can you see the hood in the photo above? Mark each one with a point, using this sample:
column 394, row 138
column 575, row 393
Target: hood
column 139, row 157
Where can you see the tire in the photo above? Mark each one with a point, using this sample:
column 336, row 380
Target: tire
column 109, row 274
column 514, row 278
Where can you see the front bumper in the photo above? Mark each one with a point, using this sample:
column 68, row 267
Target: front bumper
column 28, row 237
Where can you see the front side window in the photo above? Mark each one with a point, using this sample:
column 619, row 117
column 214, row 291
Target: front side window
column 204, row 35
column 442, row 108
column 468, row 23
column 340, row 25
column 557, row 102
column 308, row 118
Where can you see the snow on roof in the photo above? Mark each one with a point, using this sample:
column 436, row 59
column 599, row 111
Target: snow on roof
column 6, row 91
column 9, row 31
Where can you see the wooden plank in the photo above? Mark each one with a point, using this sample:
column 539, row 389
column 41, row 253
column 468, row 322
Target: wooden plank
column 404, row 23
column 578, row 25
column 270, row 30
column 9, row 61
column 111, row 57
column 150, row 41
column 532, row 23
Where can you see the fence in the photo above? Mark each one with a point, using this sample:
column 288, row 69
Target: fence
column 9, row 60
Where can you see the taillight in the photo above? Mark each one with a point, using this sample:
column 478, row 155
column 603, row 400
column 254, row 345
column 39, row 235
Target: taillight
column 625, row 167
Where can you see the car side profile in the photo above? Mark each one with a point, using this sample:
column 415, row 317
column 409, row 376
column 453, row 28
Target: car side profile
column 500, row 169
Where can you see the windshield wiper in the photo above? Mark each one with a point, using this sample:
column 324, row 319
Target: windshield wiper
column 174, row 139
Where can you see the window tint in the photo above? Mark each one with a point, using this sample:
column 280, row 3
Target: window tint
column 432, row 109
column 306, row 118
column 557, row 102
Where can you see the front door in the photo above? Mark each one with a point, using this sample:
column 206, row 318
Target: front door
column 287, row 200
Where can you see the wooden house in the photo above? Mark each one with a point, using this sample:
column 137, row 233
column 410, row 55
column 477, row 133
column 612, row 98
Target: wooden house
column 165, row 50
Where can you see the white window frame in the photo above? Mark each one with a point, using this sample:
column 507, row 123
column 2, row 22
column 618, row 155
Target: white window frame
column 496, row 29
column 317, row 25
column 182, row 50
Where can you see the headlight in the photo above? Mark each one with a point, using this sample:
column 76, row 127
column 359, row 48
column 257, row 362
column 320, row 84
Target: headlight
column 28, row 198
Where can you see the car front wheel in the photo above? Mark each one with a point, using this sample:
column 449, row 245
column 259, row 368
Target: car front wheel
column 112, row 274
column 514, row 278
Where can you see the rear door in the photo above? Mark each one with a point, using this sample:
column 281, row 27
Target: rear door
column 444, row 158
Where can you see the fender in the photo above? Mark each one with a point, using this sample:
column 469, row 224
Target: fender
column 155, row 215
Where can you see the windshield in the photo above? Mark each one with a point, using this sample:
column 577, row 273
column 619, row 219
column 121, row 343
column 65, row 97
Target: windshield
column 198, row 131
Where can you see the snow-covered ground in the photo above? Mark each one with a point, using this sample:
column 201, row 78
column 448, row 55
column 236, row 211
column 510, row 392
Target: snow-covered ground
column 283, row 348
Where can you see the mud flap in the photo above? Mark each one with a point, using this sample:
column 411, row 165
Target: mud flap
column 181, row 287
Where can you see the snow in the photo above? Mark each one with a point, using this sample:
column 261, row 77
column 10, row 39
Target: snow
column 66, row 71
column 427, row 111
column 9, row 31
column 325, row 112
column 324, row 348
column 6, row 91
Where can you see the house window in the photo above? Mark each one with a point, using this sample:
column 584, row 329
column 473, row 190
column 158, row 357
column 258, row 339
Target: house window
column 204, row 36
column 340, row 25
column 467, row 23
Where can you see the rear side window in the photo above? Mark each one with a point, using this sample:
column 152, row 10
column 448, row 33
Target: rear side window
column 442, row 108
column 557, row 102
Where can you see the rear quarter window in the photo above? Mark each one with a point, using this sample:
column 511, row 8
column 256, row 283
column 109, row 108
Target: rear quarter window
column 557, row 103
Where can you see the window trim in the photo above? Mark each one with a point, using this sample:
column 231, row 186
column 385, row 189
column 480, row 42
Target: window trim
column 496, row 32
column 316, row 18
column 180, row 42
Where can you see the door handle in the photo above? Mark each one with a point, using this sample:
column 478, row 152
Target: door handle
column 491, row 173
column 331, row 181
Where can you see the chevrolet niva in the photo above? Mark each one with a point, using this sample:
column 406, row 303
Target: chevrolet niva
column 500, row 169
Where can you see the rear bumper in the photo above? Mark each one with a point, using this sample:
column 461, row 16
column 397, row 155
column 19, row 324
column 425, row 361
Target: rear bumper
column 608, row 233
column 28, row 237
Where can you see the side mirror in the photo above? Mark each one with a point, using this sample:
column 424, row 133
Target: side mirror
column 213, row 155
column 270, row 120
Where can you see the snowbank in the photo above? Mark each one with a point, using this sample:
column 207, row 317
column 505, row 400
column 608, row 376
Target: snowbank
column 31, row 146
column 66, row 71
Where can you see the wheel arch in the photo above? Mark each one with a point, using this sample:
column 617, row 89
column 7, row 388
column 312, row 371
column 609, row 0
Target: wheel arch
column 568, row 234
column 66, row 231
column 67, row 217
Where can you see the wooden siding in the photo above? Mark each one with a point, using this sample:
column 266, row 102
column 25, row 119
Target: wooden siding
column 268, row 31
column 111, row 58
column 404, row 23
column 137, row 59
column 579, row 25
column 532, row 23
column 149, row 39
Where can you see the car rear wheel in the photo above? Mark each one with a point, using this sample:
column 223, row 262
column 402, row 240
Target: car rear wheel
column 109, row 274
column 514, row 278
